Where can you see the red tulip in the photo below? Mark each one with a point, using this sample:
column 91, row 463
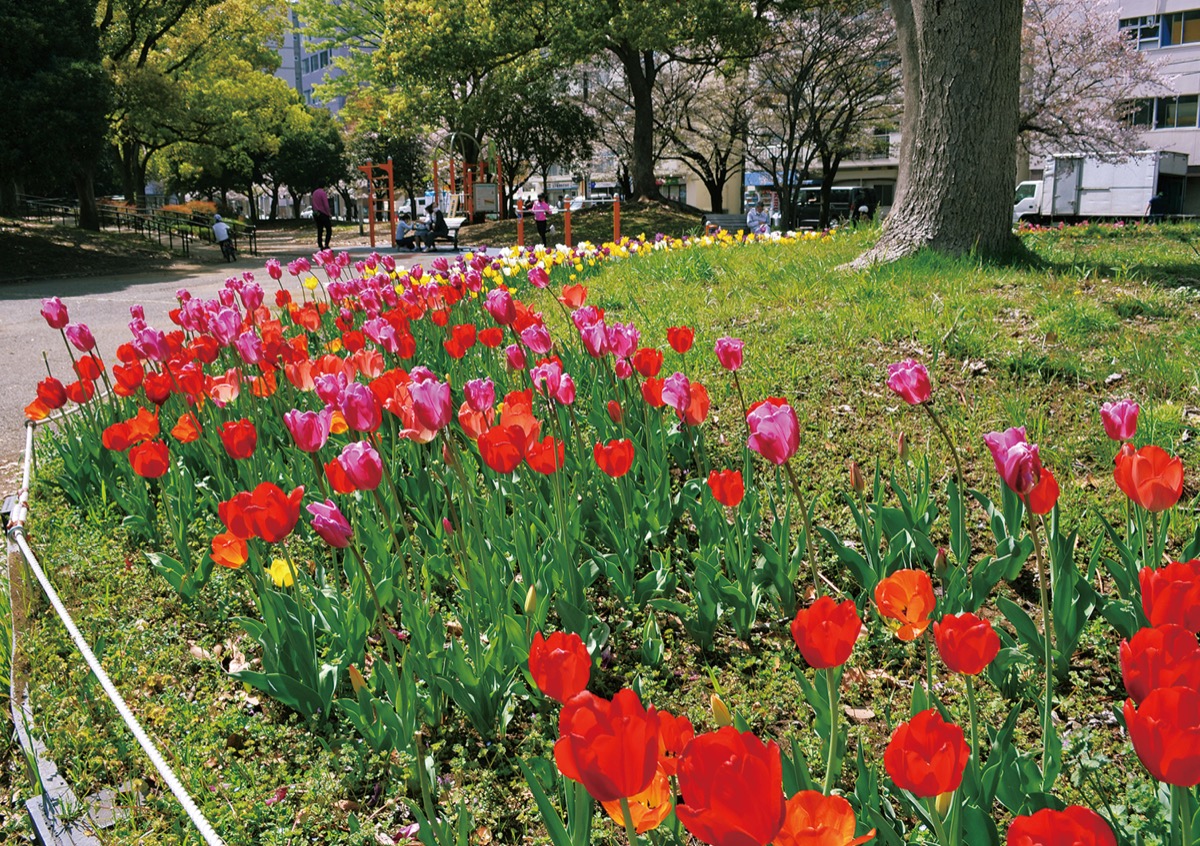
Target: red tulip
column 826, row 631
column 1149, row 476
column 52, row 393
column 727, row 487
column 1165, row 731
column 905, row 599
column 696, row 411
column 614, row 458
column 560, row 665
column 611, row 748
column 158, row 387
column 545, row 456
column 927, row 755
column 652, row 392
column 648, row 362
column 732, row 788
column 270, row 513
column 501, row 448
column 116, row 437
column 674, row 734
column 1163, row 656
column 89, row 367
column 150, row 460
column 1075, row 825
column 1171, row 594
column 239, row 438
column 128, row 378
column 814, row 819
column 680, row 338
column 615, row 414
column 573, row 296
column 80, row 391
column 338, row 478
column 143, row 426
column 966, row 643
column 492, row 337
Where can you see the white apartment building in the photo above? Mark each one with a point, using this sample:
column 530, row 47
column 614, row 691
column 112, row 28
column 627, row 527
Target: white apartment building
column 305, row 63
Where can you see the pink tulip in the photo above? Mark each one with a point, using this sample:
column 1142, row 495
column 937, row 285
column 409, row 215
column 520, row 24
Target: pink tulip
column 274, row 270
column 566, row 390
column 623, row 339
column 249, row 347
column 499, row 304
column 225, row 325
column 623, row 369
column 329, row 386
column 515, row 357
column 309, row 429
column 80, row 337
column 329, row 523
column 432, row 403
column 729, row 353
column 537, row 338
column 595, row 338
column 910, row 380
column 54, row 312
column 1120, row 419
column 252, row 296
column 480, row 394
column 360, row 407
column 774, row 430
column 677, row 391
column 362, row 464
column 538, row 277
column 1017, row 460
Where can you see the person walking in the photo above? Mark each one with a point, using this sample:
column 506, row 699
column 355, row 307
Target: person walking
column 323, row 217
column 541, row 209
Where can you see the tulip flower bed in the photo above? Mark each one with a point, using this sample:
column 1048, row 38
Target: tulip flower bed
column 536, row 548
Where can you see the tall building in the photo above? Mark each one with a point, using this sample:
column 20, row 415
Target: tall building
column 305, row 63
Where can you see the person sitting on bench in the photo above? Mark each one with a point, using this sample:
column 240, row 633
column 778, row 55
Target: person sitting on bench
column 439, row 229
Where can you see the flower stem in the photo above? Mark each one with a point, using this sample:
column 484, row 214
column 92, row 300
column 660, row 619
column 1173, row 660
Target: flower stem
column 974, row 712
column 832, row 688
column 630, row 829
column 1047, row 638
column 810, row 541
column 953, row 450
column 938, row 827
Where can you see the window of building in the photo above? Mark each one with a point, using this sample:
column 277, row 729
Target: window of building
column 1176, row 112
column 1181, row 28
column 1140, row 112
column 1145, row 31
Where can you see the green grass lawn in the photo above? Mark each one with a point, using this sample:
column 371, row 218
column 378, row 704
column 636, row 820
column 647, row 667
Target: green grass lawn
column 1089, row 315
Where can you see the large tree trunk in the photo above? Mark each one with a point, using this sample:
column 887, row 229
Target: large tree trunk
column 640, row 70
column 89, row 213
column 960, row 61
column 9, row 205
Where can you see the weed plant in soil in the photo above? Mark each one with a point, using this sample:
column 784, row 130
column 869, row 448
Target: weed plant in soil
column 1039, row 345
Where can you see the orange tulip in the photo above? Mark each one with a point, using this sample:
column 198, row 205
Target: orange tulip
column 814, row 819
column 647, row 809
column 143, row 426
column 1149, row 476
column 906, row 599
column 187, row 429
column 229, row 550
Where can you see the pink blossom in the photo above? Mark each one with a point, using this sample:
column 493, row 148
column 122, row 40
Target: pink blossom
column 677, row 391
column 330, row 524
column 309, row 429
column 623, row 339
column 538, row 277
column 480, row 394
column 515, row 357
column 910, row 381
column 362, row 465
column 595, row 338
column 274, row 269
column 729, row 353
column 1120, row 419
column 537, row 338
column 432, row 403
column 360, row 407
column 80, row 337
column 54, row 312
column 499, row 304
column 623, row 369
column 225, row 325
column 1017, row 460
column 774, row 430
column 566, row 390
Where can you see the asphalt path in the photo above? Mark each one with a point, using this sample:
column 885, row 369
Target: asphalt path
column 27, row 344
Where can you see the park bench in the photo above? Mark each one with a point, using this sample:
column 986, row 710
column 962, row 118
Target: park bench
column 453, row 224
column 713, row 223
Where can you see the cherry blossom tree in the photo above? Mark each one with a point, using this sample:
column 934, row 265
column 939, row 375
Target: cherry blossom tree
column 1079, row 77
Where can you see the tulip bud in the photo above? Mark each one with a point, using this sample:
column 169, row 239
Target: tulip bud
column 902, row 448
column 857, row 482
column 356, row 680
column 941, row 562
column 531, row 600
column 720, row 713
column 943, row 803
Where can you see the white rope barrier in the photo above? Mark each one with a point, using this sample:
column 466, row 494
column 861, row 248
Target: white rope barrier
column 17, row 534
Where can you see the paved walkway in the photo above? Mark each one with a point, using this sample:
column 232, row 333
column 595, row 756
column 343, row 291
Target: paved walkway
column 102, row 302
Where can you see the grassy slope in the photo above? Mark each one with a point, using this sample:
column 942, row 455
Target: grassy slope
column 1006, row 347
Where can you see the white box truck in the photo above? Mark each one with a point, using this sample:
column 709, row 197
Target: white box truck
column 1074, row 187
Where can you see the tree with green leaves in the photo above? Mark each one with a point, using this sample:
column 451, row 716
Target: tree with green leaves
column 311, row 155
column 56, row 96
column 379, row 129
